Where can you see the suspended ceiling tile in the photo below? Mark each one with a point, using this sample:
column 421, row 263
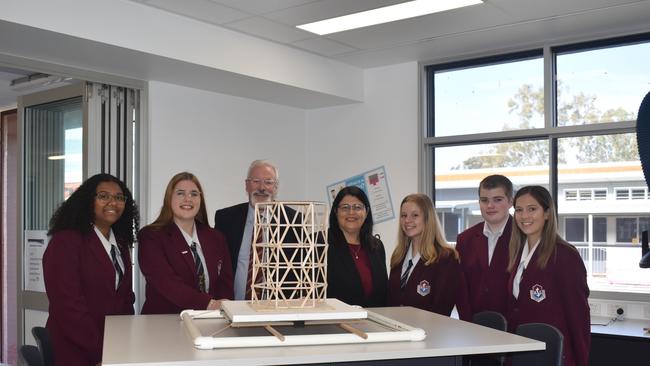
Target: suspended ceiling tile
column 267, row 29
column 529, row 9
column 324, row 46
column 204, row 10
column 258, row 7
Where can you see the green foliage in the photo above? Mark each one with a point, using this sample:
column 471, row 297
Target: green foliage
column 579, row 109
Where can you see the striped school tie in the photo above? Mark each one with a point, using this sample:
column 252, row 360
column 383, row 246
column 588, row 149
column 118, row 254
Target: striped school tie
column 116, row 264
column 200, row 272
column 405, row 275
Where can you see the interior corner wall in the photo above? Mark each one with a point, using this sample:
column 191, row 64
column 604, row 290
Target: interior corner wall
column 382, row 131
column 216, row 136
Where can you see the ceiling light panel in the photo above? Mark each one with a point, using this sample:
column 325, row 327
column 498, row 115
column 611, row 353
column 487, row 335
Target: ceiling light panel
column 385, row 14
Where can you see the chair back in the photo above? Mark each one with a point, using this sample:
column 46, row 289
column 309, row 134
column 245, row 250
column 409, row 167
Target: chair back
column 491, row 319
column 494, row 320
column 42, row 336
column 30, row 355
column 551, row 356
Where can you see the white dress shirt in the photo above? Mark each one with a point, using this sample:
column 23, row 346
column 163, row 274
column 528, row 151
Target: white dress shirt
column 523, row 263
column 492, row 238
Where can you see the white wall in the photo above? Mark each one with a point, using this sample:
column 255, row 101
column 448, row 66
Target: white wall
column 216, row 136
column 348, row 140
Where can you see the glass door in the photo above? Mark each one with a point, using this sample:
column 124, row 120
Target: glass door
column 51, row 127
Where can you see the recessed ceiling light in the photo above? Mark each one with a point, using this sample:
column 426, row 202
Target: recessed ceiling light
column 385, row 14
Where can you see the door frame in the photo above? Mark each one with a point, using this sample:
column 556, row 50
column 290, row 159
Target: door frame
column 5, row 228
column 31, row 300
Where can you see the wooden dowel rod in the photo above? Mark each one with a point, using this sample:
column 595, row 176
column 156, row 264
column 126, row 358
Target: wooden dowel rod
column 271, row 330
column 354, row 330
column 219, row 331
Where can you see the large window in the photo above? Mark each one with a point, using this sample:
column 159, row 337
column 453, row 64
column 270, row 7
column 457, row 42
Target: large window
column 481, row 96
column 563, row 117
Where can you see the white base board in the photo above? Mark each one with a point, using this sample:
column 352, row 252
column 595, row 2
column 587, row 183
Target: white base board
column 378, row 328
column 261, row 312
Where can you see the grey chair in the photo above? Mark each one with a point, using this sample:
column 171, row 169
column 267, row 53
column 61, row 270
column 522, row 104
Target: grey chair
column 491, row 319
column 30, row 355
column 551, row 356
column 494, row 320
column 42, row 336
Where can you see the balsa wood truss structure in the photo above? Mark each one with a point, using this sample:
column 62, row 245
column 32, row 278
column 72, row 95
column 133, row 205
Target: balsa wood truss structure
column 289, row 291
column 289, row 255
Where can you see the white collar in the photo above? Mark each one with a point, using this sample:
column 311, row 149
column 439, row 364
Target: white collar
column 106, row 242
column 190, row 239
column 409, row 255
column 487, row 231
column 526, row 255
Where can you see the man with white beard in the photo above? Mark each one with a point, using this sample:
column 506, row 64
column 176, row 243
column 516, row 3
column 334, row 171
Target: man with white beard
column 236, row 222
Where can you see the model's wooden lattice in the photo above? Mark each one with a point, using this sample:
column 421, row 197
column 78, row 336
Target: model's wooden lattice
column 289, row 255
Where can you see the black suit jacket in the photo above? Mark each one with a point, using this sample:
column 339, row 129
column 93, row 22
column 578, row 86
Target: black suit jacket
column 344, row 282
column 231, row 221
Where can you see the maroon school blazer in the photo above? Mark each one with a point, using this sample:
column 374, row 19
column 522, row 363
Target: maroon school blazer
column 432, row 288
column 80, row 286
column 555, row 295
column 485, row 287
column 168, row 266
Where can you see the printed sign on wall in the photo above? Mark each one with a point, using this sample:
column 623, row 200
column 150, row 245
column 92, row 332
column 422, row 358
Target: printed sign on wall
column 35, row 244
column 375, row 185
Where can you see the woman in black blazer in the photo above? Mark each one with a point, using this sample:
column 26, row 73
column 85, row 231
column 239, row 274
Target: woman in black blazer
column 356, row 262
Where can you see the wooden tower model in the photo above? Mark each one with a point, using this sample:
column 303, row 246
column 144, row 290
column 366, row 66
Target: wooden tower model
column 289, row 255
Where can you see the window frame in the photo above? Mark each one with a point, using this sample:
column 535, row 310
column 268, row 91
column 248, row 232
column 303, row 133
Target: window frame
column 550, row 132
column 585, row 227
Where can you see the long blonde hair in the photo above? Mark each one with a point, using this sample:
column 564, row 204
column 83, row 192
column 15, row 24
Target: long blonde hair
column 549, row 239
column 166, row 215
column 432, row 241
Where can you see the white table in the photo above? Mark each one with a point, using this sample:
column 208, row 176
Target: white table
column 623, row 328
column 162, row 340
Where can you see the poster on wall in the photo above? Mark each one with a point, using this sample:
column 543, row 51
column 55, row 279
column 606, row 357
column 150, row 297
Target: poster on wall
column 35, row 243
column 375, row 185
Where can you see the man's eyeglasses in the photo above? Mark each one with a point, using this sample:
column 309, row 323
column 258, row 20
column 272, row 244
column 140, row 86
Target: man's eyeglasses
column 357, row 207
column 107, row 197
column 266, row 182
column 183, row 194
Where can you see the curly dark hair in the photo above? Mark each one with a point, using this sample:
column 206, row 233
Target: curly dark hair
column 78, row 211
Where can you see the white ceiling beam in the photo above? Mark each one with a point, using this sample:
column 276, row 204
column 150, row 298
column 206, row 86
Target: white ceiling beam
column 150, row 44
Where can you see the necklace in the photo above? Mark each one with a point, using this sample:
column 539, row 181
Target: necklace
column 355, row 253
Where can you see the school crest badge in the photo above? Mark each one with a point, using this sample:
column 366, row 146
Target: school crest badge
column 537, row 293
column 424, row 288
